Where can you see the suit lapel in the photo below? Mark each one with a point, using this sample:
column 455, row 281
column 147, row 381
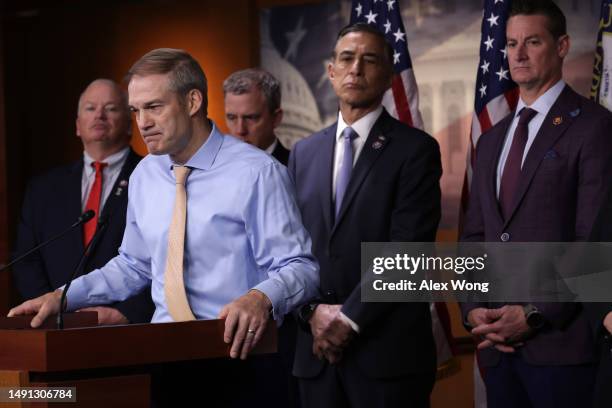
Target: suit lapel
column 117, row 196
column 73, row 204
column 555, row 124
column 280, row 153
column 374, row 145
column 119, row 191
column 492, row 171
column 325, row 163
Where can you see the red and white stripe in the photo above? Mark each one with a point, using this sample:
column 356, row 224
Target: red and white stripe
column 402, row 102
column 402, row 99
column 497, row 109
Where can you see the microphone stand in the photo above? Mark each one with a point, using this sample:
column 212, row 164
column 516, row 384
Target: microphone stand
column 102, row 223
column 86, row 216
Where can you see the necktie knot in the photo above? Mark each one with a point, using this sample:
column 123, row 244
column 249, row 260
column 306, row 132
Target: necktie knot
column 349, row 134
column 526, row 115
column 98, row 166
column 181, row 173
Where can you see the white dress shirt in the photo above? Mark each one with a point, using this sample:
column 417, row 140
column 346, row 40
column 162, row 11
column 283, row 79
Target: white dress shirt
column 271, row 148
column 362, row 127
column 110, row 173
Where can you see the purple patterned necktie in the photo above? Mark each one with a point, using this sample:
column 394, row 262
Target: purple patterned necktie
column 512, row 169
column 344, row 173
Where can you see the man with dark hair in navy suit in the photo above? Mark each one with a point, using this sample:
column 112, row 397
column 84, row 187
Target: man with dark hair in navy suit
column 368, row 177
column 98, row 181
column 540, row 175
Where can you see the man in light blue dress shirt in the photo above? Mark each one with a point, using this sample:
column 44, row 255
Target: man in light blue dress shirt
column 246, row 252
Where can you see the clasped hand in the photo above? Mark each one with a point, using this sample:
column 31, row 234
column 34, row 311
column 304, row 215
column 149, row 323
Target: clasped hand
column 330, row 332
column 502, row 328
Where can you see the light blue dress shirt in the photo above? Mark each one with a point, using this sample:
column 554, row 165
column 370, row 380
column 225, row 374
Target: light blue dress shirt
column 243, row 231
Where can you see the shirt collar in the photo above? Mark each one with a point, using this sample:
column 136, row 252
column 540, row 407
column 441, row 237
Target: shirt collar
column 271, row 148
column 112, row 161
column 204, row 157
column 362, row 127
column 545, row 101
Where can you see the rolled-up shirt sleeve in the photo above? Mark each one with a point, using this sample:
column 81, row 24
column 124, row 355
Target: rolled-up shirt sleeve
column 281, row 245
column 123, row 276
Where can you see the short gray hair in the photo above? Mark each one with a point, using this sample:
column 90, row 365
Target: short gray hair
column 184, row 71
column 124, row 97
column 242, row 82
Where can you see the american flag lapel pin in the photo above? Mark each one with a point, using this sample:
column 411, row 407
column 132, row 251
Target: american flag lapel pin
column 122, row 185
column 379, row 143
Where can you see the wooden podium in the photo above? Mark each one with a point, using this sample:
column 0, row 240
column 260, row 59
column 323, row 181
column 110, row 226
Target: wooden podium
column 108, row 365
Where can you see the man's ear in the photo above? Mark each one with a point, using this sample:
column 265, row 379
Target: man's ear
column 78, row 127
column 330, row 70
column 194, row 101
column 563, row 45
column 277, row 117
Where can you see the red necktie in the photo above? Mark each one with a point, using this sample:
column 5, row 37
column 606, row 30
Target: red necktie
column 512, row 169
column 93, row 203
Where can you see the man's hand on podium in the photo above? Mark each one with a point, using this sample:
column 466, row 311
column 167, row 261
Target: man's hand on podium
column 245, row 322
column 44, row 306
column 107, row 315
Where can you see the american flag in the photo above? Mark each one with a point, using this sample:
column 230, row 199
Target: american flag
column 496, row 96
column 601, row 91
column 496, row 93
column 402, row 100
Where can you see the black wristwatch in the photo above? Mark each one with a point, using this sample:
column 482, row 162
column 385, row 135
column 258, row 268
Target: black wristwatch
column 304, row 315
column 535, row 319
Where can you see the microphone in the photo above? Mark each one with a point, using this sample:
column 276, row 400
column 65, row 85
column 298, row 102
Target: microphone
column 86, row 216
column 102, row 223
column 83, row 218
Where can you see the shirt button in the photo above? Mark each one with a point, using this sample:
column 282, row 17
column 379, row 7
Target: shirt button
column 505, row 237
